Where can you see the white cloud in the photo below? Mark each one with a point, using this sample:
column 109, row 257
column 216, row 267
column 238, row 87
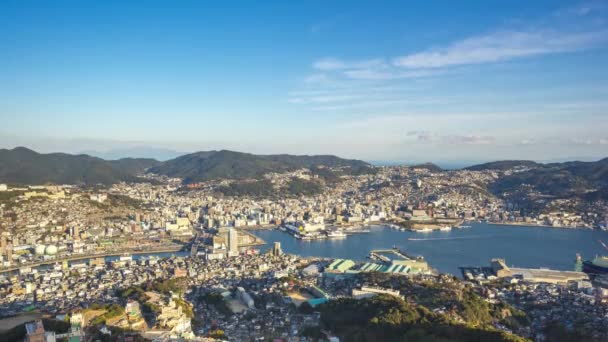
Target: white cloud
column 450, row 139
column 387, row 74
column 589, row 141
column 468, row 139
column 330, row 64
column 502, row 46
column 321, row 99
column 527, row 141
column 358, row 105
column 317, row 78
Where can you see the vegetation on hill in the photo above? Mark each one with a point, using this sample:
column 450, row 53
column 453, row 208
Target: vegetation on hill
column 333, row 176
column 112, row 311
column 265, row 189
column 217, row 301
column 587, row 180
column 326, row 174
column 388, row 318
column 134, row 166
column 460, row 304
column 554, row 182
column 428, row 166
column 258, row 188
column 202, row 166
column 560, row 332
column 125, row 201
column 303, row 187
column 23, row 166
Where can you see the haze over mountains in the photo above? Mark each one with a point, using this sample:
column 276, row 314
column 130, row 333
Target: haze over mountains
column 24, row 166
column 157, row 153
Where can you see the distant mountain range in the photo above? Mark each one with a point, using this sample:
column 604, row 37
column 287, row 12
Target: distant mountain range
column 24, row 166
column 503, row 165
column 567, row 179
column 202, row 166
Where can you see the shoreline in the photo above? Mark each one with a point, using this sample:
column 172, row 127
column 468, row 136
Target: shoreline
column 529, row 225
column 92, row 256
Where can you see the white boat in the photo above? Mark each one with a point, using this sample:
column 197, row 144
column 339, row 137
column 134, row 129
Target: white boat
column 445, row 229
column 126, row 257
column 336, row 234
column 464, row 227
column 424, row 230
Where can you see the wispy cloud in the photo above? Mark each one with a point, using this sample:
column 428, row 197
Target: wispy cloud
column 451, row 139
column 387, row 74
column 583, row 9
column 468, row 139
column 317, row 78
column 330, row 63
column 322, row 99
column 358, row 105
column 370, row 69
column 589, row 141
column 502, row 46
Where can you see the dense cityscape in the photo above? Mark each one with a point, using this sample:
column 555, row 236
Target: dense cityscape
column 71, row 254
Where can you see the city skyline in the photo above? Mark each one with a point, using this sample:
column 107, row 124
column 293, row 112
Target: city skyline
column 487, row 81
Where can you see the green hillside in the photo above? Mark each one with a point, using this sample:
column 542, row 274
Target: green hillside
column 24, row 166
column 202, row 166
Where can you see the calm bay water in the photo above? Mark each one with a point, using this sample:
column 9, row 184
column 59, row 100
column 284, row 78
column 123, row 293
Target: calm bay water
column 521, row 246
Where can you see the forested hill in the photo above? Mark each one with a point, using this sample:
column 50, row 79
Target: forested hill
column 202, row 166
column 587, row 180
column 24, row 166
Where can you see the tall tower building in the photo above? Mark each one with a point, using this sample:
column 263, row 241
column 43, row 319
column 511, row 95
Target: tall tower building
column 233, row 242
column 9, row 252
column 276, row 250
column 3, row 245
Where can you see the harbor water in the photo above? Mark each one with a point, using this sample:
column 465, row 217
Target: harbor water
column 445, row 251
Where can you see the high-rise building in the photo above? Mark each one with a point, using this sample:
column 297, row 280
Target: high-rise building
column 9, row 252
column 233, row 241
column 276, row 250
column 3, row 245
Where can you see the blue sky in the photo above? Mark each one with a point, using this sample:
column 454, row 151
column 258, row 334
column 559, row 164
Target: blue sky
column 432, row 81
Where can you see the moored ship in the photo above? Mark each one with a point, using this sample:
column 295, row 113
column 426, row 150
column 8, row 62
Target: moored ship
column 336, row 234
column 599, row 265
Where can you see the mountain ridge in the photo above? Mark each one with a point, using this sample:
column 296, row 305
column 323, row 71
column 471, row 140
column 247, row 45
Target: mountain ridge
column 208, row 165
column 21, row 165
